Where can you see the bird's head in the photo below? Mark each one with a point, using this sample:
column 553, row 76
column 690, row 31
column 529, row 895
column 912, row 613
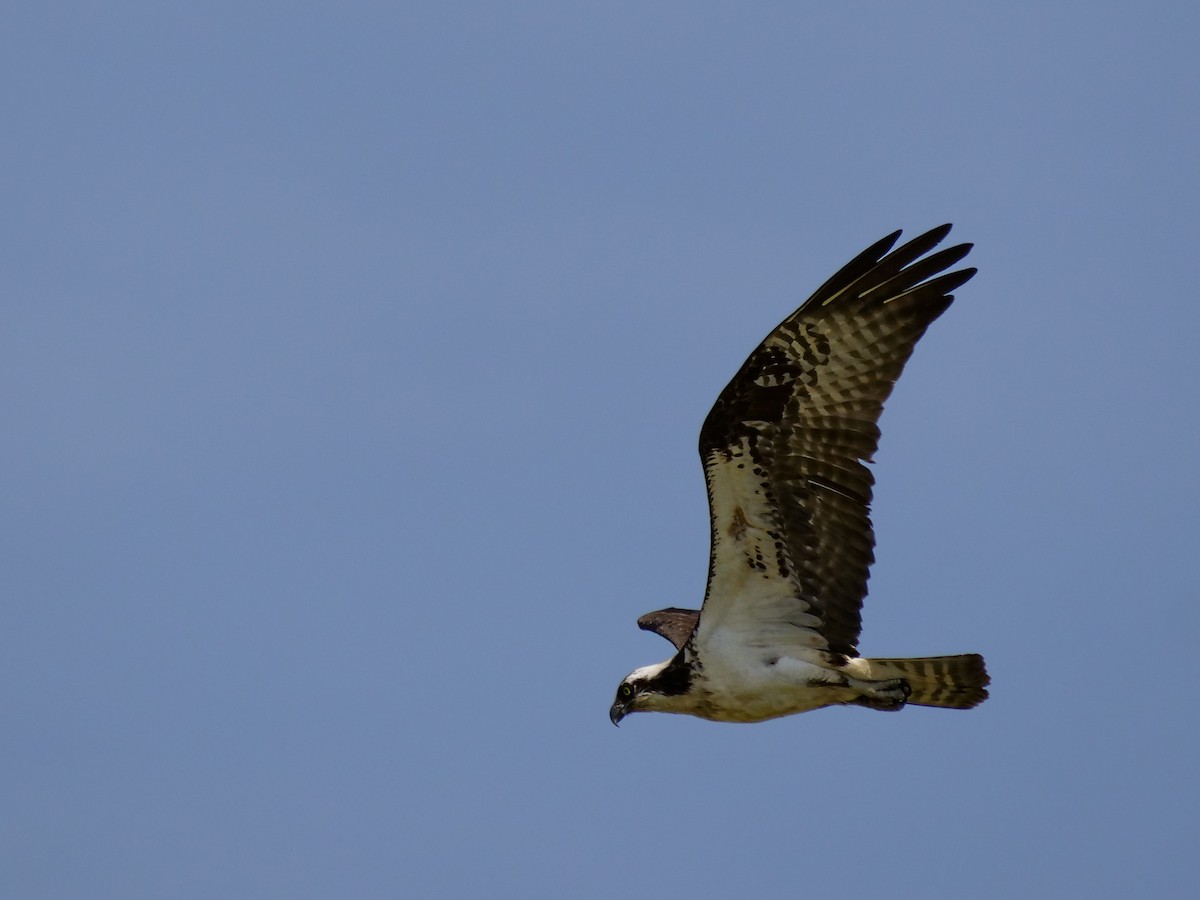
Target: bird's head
column 639, row 691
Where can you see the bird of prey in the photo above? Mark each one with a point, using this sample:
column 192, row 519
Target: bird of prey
column 785, row 450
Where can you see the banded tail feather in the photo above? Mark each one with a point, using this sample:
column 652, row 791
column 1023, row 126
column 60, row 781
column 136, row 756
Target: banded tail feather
column 950, row 682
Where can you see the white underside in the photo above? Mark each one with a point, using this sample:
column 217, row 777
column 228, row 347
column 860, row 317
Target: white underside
column 751, row 685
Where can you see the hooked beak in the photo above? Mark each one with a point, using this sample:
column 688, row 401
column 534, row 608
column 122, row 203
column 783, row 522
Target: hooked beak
column 616, row 713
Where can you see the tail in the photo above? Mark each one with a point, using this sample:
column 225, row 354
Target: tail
column 951, row 682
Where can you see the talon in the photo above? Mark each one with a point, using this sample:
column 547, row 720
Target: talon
column 886, row 696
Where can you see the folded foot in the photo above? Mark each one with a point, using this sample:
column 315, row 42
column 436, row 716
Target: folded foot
column 887, row 696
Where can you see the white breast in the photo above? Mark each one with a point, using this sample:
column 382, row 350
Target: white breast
column 744, row 684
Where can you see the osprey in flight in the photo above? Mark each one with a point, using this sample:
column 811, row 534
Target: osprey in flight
column 785, row 449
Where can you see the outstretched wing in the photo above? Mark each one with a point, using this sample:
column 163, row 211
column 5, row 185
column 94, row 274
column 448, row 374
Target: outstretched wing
column 785, row 449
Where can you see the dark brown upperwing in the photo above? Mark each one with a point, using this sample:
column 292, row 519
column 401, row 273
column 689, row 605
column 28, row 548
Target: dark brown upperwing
column 804, row 407
column 673, row 623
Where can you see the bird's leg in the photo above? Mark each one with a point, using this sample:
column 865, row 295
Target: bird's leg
column 887, row 696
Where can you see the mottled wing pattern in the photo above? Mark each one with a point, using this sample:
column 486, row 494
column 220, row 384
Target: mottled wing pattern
column 785, row 449
column 673, row 623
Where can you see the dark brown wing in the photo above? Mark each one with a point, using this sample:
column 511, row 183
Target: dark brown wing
column 673, row 623
column 784, row 448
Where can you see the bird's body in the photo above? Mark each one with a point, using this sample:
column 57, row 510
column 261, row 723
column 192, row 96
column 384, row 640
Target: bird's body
column 784, row 451
column 751, row 685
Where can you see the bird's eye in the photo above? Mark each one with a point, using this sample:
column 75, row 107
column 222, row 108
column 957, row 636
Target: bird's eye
column 626, row 690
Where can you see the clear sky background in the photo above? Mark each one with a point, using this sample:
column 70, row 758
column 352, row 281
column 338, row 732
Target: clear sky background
column 351, row 366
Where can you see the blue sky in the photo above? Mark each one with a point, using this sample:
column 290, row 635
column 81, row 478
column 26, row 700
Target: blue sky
column 352, row 365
